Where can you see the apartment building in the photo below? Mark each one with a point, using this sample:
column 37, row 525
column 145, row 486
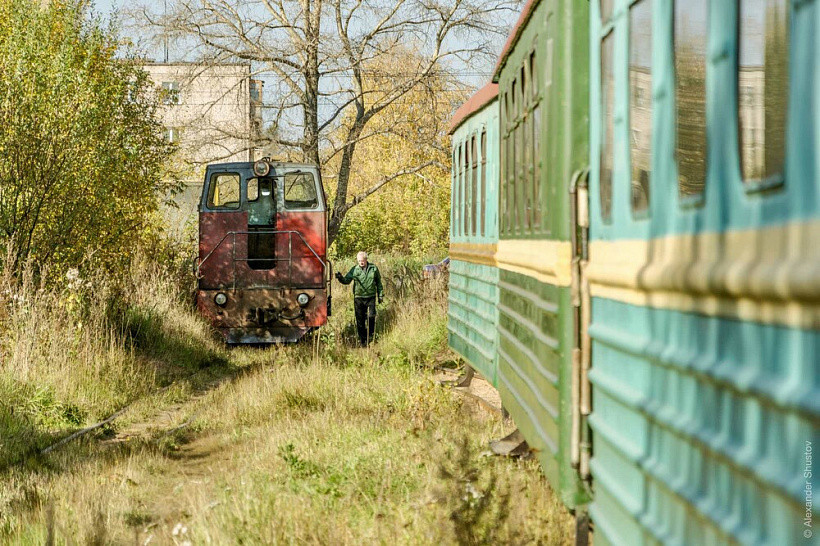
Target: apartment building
column 214, row 114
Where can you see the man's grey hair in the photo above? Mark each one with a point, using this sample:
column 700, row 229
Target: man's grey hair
column 360, row 255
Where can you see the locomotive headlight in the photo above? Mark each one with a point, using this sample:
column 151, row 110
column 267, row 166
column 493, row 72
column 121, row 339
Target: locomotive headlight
column 261, row 167
column 221, row 299
column 302, row 299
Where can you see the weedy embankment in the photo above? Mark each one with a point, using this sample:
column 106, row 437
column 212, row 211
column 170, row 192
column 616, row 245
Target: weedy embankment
column 321, row 443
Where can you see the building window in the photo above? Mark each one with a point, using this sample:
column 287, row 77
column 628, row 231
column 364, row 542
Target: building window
column 691, row 39
column 640, row 108
column 256, row 90
column 763, row 87
column 170, row 92
column 172, row 135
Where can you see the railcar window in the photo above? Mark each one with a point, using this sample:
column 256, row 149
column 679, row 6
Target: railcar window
column 223, row 192
column 536, row 142
column 464, row 173
column 606, row 10
column 691, row 38
column 457, row 193
column 608, row 100
column 509, row 165
column 453, row 202
column 504, row 148
column 526, row 167
column 763, row 87
column 516, row 160
column 300, row 191
column 467, row 196
column 483, row 212
column 510, row 176
column 473, row 187
column 640, row 104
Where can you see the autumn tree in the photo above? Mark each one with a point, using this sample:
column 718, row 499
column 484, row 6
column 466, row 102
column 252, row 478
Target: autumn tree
column 80, row 148
column 319, row 54
column 393, row 207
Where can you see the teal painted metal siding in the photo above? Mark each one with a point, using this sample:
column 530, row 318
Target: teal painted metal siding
column 472, row 315
column 700, row 424
column 473, row 297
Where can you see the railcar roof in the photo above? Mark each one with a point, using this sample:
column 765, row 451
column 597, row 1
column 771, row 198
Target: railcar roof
column 528, row 10
column 474, row 104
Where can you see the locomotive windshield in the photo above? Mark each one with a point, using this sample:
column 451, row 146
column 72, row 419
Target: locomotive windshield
column 224, row 191
column 300, row 191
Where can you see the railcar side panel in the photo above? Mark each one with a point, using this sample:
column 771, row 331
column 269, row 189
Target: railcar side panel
column 531, row 345
column 705, row 288
column 472, row 317
column 473, row 286
column 543, row 82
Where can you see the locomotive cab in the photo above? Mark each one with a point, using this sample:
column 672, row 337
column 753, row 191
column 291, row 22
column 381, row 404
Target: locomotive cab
column 262, row 272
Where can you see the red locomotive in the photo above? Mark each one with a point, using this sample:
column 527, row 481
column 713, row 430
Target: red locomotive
column 263, row 274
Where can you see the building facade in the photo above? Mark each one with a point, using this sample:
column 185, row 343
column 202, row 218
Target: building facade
column 213, row 113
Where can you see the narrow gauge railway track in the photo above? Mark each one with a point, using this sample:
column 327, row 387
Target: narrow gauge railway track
column 35, row 452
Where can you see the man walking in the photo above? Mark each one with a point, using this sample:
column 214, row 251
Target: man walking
column 366, row 288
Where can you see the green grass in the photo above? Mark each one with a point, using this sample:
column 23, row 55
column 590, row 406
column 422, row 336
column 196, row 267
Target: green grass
column 318, row 443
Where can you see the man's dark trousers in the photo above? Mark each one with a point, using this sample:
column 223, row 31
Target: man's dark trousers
column 365, row 318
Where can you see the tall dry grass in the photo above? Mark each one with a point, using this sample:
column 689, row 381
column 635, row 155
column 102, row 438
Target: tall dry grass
column 72, row 354
column 323, row 442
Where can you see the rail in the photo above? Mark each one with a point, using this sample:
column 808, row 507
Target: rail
column 289, row 258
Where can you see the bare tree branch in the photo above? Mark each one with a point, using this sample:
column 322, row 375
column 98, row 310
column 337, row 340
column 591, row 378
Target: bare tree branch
column 338, row 64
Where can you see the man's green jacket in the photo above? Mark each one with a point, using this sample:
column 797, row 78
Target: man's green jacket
column 368, row 281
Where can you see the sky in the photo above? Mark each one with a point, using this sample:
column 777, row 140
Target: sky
column 475, row 77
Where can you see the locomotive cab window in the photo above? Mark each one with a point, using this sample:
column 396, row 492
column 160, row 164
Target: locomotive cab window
column 223, row 191
column 763, row 89
column 253, row 189
column 300, row 191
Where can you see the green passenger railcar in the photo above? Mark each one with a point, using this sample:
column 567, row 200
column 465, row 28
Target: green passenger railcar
column 543, row 79
column 681, row 290
column 473, row 298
